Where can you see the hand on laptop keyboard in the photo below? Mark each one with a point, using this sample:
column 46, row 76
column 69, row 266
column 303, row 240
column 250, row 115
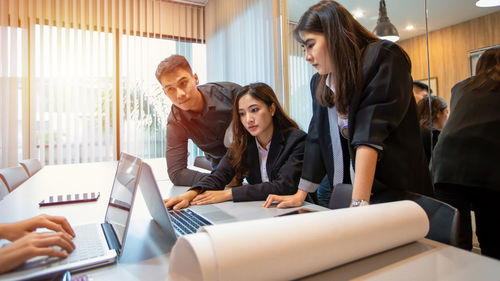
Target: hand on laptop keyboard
column 181, row 201
column 27, row 244
column 14, row 231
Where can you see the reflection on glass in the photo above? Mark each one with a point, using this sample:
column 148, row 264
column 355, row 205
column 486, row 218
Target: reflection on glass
column 120, row 201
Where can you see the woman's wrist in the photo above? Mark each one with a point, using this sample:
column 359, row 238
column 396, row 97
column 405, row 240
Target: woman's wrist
column 301, row 194
column 229, row 194
column 3, row 231
column 191, row 194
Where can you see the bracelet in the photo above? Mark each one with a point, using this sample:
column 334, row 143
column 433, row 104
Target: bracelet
column 359, row 203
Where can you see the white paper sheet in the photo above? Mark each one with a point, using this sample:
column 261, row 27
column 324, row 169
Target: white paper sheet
column 291, row 247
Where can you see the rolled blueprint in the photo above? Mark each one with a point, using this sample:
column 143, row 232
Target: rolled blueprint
column 285, row 248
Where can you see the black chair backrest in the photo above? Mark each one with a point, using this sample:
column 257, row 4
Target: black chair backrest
column 341, row 196
column 443, row 218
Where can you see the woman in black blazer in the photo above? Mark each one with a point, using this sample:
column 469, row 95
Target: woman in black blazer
column 363, row 93
column 467, row 156
column 267, row 150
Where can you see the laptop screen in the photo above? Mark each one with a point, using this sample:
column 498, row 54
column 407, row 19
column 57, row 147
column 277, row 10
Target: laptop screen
column 122, row 193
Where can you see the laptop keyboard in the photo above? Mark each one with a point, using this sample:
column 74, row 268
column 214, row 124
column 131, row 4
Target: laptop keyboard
column 186, row 221
column 88, row 243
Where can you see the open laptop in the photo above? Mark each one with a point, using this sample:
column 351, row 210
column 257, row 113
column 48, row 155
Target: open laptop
column 169, row 220
column 175, row 223
column 96, row 244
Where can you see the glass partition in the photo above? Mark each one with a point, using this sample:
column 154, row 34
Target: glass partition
column 459, row 32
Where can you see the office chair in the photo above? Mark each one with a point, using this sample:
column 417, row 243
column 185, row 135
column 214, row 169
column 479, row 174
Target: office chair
column 3, row 190
column 341, row 196
column 12, row 177
column 443, row 218
column 202, row 162
column 31, row 166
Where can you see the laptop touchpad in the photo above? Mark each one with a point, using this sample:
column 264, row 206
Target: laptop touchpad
column 214, row 214
column 218, row 216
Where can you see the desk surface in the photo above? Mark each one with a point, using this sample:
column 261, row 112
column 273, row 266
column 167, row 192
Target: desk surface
column 146, row 256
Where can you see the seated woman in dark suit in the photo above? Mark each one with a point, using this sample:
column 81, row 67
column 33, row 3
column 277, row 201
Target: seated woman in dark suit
column 267, row 150
column 431, row 122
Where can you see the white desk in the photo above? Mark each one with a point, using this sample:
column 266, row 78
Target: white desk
column 145, row 256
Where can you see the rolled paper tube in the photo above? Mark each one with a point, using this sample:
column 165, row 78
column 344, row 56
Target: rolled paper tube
column 285, row 248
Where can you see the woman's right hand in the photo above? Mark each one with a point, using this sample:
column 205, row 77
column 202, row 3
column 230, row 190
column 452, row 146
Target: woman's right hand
column 286, row 201
column 35, row 244
column 181, row 201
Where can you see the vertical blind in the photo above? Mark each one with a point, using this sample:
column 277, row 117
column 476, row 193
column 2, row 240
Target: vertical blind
column 300, row 73
column 77, row 77
column 240, row 40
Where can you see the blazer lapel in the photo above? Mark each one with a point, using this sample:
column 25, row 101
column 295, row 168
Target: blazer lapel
column 253, row 161
column 277, row 145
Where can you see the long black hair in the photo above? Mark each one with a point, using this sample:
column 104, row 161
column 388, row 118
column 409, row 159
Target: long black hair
column 345, row 40
column 281, row 121
column 487, row 72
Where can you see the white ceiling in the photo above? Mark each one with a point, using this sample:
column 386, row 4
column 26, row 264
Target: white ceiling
column 442, row 13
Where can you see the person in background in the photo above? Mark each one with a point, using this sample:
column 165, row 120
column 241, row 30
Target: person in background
column 420, row 90
column 467, row 157
column 362, row 104
column 267, row 150
column 431, row 122
column 201, row 113
column 27, row 243
column 324, row 192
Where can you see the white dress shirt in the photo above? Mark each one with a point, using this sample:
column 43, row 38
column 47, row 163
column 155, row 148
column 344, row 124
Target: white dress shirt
column 263, row 152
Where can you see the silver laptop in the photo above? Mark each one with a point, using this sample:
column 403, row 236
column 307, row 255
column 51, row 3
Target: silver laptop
column 169, row 220
column 96, row 244
column 176, row 223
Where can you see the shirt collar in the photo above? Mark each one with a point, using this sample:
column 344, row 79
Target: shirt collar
column 341, row 121
column 260, row 148
column 209, row 102
column 328, row 84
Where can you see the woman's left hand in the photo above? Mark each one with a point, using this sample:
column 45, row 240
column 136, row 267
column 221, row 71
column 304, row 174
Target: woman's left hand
column 18, row 230
column 212, row 196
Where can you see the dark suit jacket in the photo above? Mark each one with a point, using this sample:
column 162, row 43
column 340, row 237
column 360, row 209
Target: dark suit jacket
column 468, row 149
column 384, row 114
column 426, row 140
column 284, row 165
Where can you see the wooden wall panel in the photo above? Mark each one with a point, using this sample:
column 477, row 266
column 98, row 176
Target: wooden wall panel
column 449, row 50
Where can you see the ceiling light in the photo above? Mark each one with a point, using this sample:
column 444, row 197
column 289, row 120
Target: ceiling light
column 384, row 28
column 358, row 13
column 410, row 27
column 487, row 3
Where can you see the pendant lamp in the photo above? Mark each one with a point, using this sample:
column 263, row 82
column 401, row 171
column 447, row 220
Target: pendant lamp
column 384, row 28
